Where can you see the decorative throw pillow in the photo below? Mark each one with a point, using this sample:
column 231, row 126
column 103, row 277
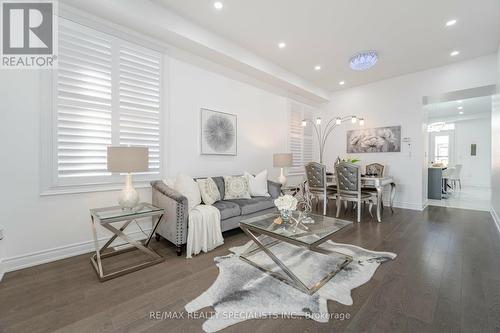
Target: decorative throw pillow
column 236, row 188
column 186, row 186
column 208, row 190
column 258, row 184
column 170, row 182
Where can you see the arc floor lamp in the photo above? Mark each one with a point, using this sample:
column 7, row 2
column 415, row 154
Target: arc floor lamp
column 324, row 132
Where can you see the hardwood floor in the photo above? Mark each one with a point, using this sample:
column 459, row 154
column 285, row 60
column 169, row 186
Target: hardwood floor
column 446, row 278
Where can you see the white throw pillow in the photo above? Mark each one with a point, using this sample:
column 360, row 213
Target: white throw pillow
column 170, row 182
column 236, row 188
column 208, row 190
column 257, row 184
column 186, row 186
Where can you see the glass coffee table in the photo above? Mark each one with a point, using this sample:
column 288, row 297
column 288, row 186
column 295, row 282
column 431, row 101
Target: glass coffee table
column 268, row 231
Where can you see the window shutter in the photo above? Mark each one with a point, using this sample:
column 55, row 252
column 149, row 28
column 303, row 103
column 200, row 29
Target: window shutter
column 300, row 138
column 295, row 138
column 307, row 148
column 139, row 96
column 84, row 103
column 107, row 92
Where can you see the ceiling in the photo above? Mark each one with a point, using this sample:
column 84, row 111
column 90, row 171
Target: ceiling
column 409, row 35
column 470, row 107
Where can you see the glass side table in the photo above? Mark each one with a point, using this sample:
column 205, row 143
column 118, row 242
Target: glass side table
column 106, row 217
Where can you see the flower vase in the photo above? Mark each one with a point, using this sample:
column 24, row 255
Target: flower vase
column 286, row 214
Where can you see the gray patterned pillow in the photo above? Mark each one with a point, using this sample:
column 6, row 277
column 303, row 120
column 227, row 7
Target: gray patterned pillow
column 208, row 190
column 236, row 188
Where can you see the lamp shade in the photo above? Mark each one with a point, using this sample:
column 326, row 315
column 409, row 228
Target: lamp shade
column 282, row 160
column 128, row 159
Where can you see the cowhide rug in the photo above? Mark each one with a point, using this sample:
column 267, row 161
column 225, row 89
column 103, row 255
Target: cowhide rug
column 243, row 292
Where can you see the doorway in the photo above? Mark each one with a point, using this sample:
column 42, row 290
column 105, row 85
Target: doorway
column 458, row 140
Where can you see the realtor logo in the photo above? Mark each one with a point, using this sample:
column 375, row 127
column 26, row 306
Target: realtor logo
column 28, row 34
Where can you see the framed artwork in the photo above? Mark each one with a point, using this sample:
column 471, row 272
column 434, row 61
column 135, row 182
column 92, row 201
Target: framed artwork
column 374, row 140
column 219, row 133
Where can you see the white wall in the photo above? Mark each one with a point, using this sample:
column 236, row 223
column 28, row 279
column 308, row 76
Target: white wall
column 476, row 170
column 44, row 228
column 398, row 101
column 495, row 145
column 262, row 128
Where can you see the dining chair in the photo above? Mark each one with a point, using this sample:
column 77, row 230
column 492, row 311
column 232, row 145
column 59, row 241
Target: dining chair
column 375, row 169
column 316, row 180
column 349, row 187
column 447, row 176
column 454, row 178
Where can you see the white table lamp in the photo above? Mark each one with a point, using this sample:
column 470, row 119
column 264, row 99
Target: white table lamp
column 128, row 160
column 282, row 160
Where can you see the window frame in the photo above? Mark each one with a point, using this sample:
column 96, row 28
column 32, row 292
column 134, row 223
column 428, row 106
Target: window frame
column 50, row 182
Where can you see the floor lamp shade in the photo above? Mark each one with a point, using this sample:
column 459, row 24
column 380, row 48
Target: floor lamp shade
column 128, row 160
column 282, row 160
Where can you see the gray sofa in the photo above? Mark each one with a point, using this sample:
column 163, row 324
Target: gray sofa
column 175, row 221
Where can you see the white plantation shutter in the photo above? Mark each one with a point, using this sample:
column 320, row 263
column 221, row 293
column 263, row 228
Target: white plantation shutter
column 139, row 97
column 300, row 138
column 295, row 138
column 84, row 106
column 107, row 92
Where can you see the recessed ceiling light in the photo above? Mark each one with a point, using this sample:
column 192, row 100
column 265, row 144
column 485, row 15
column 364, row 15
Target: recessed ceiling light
column 454, row 53
column 460, row 108
column 317, row 68
column 281, row 45
column 461, row 112
column 451, row 22
column 218, row 5
column 341, row 83
column 459, row 102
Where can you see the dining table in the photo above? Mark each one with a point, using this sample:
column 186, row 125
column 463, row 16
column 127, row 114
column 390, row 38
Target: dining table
column 373, row 182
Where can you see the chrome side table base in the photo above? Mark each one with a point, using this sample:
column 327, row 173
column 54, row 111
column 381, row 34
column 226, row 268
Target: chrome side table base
column 143, row 246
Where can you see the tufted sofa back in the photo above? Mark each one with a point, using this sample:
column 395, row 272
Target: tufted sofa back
column 348, row 177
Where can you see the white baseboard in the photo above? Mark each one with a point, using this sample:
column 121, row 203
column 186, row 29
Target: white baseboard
column 407, row 205
column 58, row 253
column 496, row 218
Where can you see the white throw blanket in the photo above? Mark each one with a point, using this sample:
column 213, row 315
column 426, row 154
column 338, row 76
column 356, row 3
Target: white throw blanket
column 204, row 232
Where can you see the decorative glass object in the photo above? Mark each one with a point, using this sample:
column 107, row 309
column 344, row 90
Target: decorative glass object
column 286, row 214
column 304, row 204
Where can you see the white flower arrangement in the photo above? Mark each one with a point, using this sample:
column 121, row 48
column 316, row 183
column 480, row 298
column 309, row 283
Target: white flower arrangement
column 286, row 202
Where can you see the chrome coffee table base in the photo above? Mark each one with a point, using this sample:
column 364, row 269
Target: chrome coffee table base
column 289, row 277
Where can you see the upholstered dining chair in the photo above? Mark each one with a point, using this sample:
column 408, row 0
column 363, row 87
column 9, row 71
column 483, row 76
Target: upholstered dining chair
column 316, row 181
column 375, row 169
column 349, row 187
column 378, row 170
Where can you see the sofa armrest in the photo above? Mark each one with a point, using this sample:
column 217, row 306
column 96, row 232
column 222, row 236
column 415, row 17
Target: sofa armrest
column 175, row 220
column 274, row 189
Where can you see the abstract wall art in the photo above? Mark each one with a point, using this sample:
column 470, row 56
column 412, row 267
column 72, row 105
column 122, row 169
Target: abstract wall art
column 218, row 133
column 374, row 140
